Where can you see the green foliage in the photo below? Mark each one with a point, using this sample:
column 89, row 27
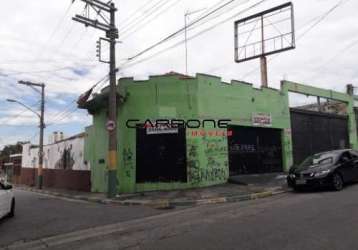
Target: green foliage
column 9, row 150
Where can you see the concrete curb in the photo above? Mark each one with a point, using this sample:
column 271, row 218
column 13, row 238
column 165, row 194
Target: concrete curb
column 159, row 204
column 83, row 234
column 62, row 195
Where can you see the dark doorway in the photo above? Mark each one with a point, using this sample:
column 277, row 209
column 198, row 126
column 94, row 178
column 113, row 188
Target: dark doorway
column 161, row 157
column 254, row 150
column 314, row 132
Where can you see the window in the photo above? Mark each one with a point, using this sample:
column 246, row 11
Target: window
column 345, row 157
column 328, row 160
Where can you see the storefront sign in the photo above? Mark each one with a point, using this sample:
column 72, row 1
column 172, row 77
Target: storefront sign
column 161, row 130
column 262, row 119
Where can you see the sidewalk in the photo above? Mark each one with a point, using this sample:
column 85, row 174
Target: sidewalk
column 169, row 199
column 65, row 193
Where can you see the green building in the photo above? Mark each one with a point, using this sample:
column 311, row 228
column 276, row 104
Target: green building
column 263, row 135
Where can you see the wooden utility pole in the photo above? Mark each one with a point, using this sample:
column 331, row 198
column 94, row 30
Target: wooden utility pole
column 111, row 36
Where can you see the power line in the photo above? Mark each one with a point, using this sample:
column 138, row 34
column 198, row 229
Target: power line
column 132, row 14
column 63, row 116
column 65, row 37
column 68, row 111
column 324, row 16
column 49, row 59
column 68, row 107
column 44, row 71
column 192, row 37
column 61, row 113
column 37, row 61
column 58, row 25
column 60, row 22
column 315, row 21
column 218, row 13
column 168, row 7
column 169, row 37
column 146, row 13
column 334, row 57
column 16, row 116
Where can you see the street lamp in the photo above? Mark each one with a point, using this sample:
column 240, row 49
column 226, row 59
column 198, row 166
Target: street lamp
column 42, row 124
column 25, row 106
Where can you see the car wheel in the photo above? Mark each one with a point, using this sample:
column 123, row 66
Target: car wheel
column 12, row 211
column 337, row 182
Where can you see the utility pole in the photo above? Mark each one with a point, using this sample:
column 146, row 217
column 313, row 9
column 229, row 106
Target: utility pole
column 263, row 59
column 42, row 127
column 111, row 35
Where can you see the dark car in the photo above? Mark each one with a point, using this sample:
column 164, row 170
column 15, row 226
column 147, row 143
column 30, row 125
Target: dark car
column 330, row 169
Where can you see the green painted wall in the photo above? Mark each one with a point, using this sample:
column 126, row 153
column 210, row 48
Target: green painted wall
column 238, row 101
column 204, row 97
column 96, row 153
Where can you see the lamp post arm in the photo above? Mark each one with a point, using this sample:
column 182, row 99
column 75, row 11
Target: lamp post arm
column 27, row 107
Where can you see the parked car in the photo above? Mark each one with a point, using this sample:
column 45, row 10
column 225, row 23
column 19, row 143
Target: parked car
column 7, row 200
column 330, row 169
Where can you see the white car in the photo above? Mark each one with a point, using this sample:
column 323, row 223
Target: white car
column 7, row 200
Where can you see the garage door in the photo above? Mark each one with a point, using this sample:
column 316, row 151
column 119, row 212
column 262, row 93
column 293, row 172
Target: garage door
column 161, row 157
column 314, row 132
column 254, row 150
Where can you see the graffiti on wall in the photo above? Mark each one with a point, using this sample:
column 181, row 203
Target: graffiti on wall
column 128, row 162
column 213, row 166
column 193, row 162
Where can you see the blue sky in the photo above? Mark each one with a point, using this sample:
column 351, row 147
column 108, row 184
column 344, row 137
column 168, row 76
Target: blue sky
column 61, row 114
column 39, row 42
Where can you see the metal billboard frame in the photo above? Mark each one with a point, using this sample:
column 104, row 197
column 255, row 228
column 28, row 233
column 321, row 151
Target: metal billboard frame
column 261, row 15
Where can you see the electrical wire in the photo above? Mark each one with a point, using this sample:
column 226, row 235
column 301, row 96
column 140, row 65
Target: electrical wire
column 147, row 22
column 42, row 50
column 323, row 17
column 312, row 24
column 133, row 14
column 16, row 116
column 176, row 33
column 341, row 52
column 65, row 115
column 190, row 38
column 57, row 27
column 55, row 117
column 146, row 13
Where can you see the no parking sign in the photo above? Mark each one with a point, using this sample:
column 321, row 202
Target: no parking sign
column 111, row 125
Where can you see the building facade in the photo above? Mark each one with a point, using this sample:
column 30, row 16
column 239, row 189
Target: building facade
column 261, row 137
column 64, row 164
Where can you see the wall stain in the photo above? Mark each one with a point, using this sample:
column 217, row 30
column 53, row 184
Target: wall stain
column 67, row 160
column 128, row 162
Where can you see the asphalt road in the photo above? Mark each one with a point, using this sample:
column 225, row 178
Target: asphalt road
column 310, row 220
column 38, row 216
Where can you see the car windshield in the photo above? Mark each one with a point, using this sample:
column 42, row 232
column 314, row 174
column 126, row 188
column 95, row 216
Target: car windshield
column 317, row 159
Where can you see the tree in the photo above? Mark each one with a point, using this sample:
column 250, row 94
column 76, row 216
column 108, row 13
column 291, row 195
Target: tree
column 9, row 150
